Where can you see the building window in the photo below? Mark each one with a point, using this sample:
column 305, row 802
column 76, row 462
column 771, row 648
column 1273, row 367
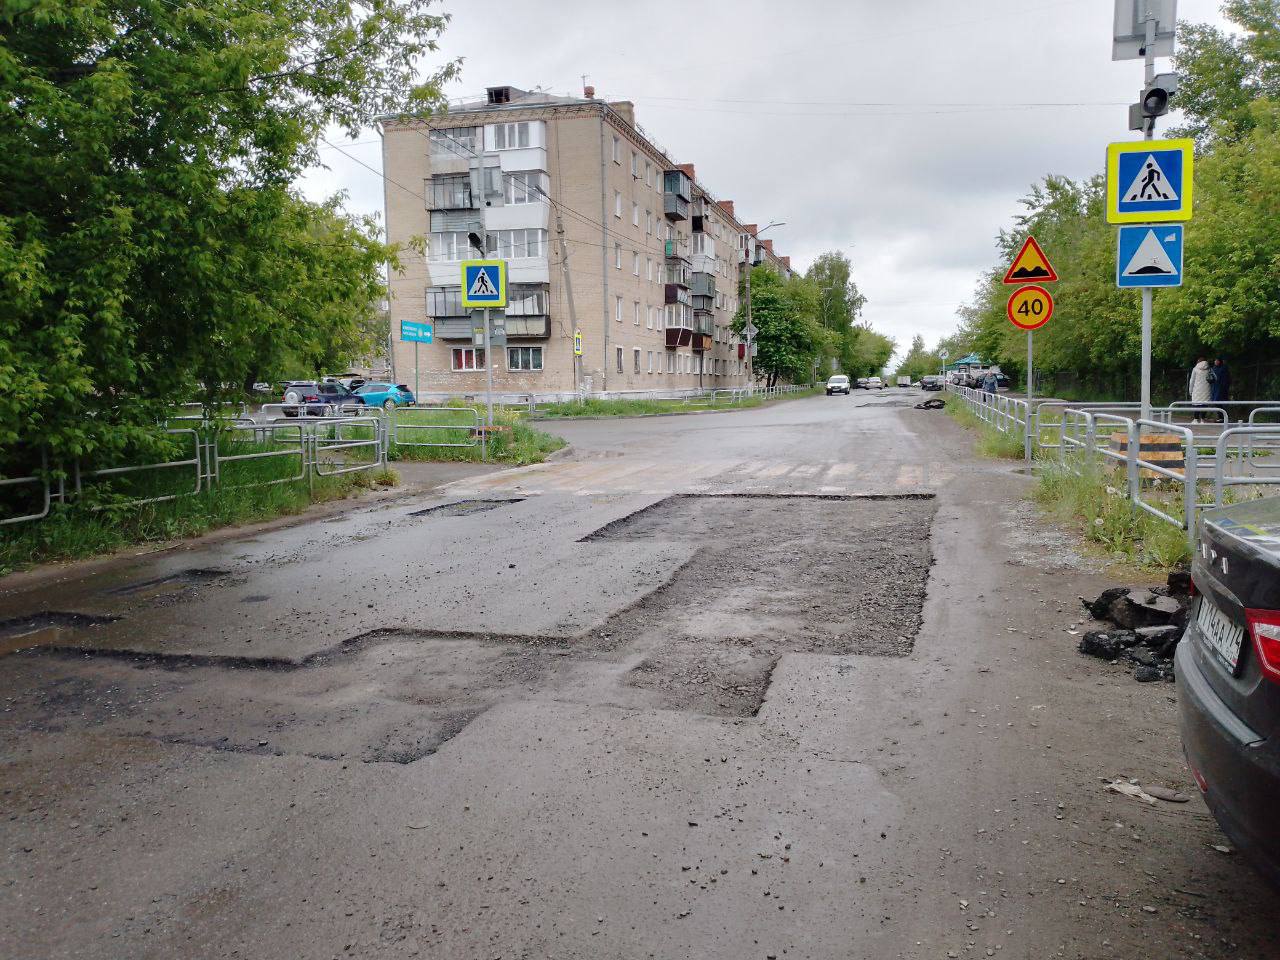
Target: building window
column 635, row 171
column 618, row 355
column 448, row 245
column 466, row 358
column 635, row 356
column 617, row 255
column 648, row 222
column 636, row 313
column 524, row 186
column 648, row 173
column 648, row 269
column 512, row 244
column 450, row 193
column 524, row 358
column 617, row 150
column 617, row 204
column 648, row 319
column 671, row 363
column 635, row 264
column 649, row 358
column 453, row 142
column 635, row 214
column 617, row 309
column 511, row 136
column 445, row 302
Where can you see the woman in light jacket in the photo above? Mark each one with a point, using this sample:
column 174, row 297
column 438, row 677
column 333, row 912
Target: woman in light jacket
column 1198, row 385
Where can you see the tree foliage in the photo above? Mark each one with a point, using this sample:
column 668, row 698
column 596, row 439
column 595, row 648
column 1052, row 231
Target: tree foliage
column 920, row 361
column 149, row 238
column 1229, row 303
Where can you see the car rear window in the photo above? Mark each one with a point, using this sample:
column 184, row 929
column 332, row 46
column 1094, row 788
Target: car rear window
column 401, row 386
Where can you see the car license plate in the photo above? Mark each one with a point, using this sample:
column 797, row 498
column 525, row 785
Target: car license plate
column 1221, row 635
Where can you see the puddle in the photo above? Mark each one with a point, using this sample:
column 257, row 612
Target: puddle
column 172, row 583
column 44, row 629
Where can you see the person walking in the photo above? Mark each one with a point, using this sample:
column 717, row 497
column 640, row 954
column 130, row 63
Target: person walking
column 1220, row 381
column 1199, row 387
column 989, row 382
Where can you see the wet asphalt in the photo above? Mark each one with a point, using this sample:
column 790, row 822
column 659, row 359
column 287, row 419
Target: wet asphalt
column 792, row 681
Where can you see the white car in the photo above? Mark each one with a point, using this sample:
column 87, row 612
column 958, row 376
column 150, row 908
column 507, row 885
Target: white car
column 838, row 384
column 875, row 383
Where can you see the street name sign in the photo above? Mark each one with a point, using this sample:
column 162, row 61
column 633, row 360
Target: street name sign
column 1149, row 181
column 1030, row 264
column 484, row 283
column 1030, row 307
column 1149, row 256
column 412, row 331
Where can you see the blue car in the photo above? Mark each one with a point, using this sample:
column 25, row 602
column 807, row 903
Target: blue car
column 386, row 395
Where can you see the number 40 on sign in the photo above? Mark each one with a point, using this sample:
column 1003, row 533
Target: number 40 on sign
column 1030, row 307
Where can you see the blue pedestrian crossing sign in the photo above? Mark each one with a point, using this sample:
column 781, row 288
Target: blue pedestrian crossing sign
column 1149, row 181
column 484, row 283
column 414, row 331
column 1149, row 256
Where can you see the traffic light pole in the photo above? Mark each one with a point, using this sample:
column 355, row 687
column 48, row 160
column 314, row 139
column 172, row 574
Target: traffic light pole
column 1148, row 133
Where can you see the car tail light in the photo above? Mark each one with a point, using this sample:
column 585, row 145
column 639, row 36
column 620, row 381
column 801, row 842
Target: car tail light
column 1264, row 625
column 1191, row 588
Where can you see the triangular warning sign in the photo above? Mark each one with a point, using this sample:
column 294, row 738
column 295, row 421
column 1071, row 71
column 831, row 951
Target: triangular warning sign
column 1030, row 265
column 482, row 286
column 1150, row 259
column 1150, row 185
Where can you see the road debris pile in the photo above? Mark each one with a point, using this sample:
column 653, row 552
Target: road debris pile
column 933, row 403
column 1149, row 623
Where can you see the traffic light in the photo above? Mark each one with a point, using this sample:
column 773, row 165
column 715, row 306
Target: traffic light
column 1154, row 101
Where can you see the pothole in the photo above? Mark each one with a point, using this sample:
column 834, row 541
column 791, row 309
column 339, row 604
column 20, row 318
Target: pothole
column 462, row 508
column 44, row 629
column 171, row 583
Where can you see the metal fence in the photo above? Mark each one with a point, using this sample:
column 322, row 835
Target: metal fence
column 213, row 455
column 1223, row 445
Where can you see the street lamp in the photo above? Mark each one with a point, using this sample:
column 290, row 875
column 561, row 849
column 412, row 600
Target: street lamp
column 750, row 371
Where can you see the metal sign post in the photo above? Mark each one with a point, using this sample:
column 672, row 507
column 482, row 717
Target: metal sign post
column 488, row 367
column 1027, row 418
column 1030, row 308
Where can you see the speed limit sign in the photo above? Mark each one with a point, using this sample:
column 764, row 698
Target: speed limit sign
column 1030, row 307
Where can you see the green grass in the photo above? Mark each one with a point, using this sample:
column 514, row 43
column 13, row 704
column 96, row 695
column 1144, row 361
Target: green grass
column 518, row 444
column 991, row 443
column 591, row 407
column 1093, row 502
column 101, row 520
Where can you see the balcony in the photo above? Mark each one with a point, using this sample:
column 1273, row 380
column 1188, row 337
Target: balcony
column 676, row 293
column 704, row 304
column 677, row 272
column 703, row 285
column 703, row 323
column 673, row 250
column 701, row 342
column 453, row 328
column 528, row 326
column 679, row 333
column 675, row 208
column 449, row 193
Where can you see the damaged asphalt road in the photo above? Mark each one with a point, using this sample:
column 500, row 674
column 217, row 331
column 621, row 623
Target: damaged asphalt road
column 795, row 681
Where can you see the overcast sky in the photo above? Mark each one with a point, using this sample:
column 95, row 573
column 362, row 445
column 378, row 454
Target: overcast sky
column 893, row 131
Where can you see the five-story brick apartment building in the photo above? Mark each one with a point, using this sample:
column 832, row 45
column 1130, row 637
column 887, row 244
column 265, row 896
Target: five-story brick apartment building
column 602, row 232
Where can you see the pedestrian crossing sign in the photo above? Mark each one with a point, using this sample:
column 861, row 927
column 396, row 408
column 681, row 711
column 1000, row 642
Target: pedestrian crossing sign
column 1149, row 181
column 484, row 283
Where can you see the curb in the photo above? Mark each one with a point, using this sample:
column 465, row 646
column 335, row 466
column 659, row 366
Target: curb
column 564, row 453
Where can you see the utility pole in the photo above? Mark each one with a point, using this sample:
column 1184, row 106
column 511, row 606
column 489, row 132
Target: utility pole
column 1148, row 133
column 750, row 377
column 568, row 298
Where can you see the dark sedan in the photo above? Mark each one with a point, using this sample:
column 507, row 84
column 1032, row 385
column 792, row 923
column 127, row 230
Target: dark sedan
column 1228, row 671
column 318, row 399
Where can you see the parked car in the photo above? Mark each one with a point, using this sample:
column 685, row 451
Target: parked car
column 351, row 381
column 377, row 393
column 838, row 384
column 317, row 398
column 1228, row 671
column 294, row 390
column 930, row 383
column 862, row 383
column 875, row 383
